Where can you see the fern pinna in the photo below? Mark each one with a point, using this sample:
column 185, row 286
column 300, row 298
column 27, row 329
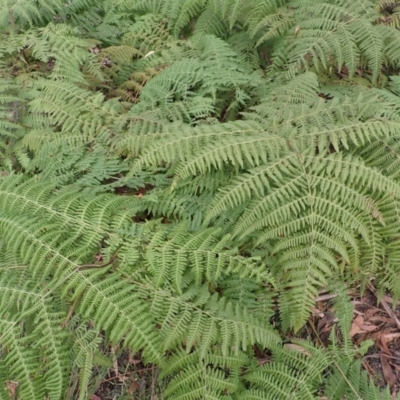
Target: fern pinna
column 181, row 178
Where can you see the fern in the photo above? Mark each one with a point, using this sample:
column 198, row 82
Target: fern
column 112, row 302
column 181, row 178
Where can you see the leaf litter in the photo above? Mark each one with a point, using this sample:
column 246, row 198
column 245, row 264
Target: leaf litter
column 372, row 320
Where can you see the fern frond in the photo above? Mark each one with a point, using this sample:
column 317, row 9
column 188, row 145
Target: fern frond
column 322, row 33
column 218, row 376
column 24, row 11
column 206, row 321
column 300, row 370
column 203, row 254
column 45, row 366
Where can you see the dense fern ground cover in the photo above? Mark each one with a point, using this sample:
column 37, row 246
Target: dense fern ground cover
column 179, row 179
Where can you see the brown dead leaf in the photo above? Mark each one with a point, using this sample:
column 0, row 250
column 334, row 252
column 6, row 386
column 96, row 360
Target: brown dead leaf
column 368, row 328
column 376, row 336
column 358, row 326
column 397, row 367
column 325, row 324
column 387, row 298
column 355, row 326
column 298, row 348
column 383, row 344
column 391, row 336
column 317, row 311
column 388, row 373
column 264, row 360
column 133, row 387
column 381, row 318
column 94, row 397
column 12, row 387
column 370, row 313
column 325, row 297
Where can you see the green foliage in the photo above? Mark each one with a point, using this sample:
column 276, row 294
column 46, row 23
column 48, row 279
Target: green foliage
column 181, row 178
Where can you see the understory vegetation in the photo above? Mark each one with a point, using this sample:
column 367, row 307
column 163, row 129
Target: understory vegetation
column 180, row 179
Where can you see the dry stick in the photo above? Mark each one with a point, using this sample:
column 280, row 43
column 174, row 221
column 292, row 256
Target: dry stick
column 71, row 311
column 381, row 354
column 154, row 375
column 90, row 266
column 386, row 307
column 81, row 268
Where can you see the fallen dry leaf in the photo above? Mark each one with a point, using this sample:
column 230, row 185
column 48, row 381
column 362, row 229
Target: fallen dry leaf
column 355, row 326
column 387, row 298
column 376, row 336
column 383, row 344
column 326, row 322
column 381, row 318
column 358, row 326
column 325, row 297
column 133, row 386
column 12, row 386
column 391, row 336
column 298, row 348
column 368, row 328
column 397, row 367
column 370, row 313
column 318, row 312
column 388, row 373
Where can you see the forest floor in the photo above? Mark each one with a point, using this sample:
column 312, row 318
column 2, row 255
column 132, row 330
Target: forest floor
column 372, row 320
column 129, row 378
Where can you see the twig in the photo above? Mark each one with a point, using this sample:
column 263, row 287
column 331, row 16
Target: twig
column 154, row 374
column 90, row 266
column 381, row 354
column 386, row 307
column 324, row 297
column 71, row 311
column 81, row 268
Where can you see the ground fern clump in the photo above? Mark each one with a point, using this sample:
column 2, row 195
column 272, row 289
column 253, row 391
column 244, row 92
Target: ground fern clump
column 179, row 179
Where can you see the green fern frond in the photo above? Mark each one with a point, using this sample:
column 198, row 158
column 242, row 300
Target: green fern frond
column 206, row 321
column 26, row 12
column 321, row 34
column 46, row 366
column 68, row 52
column 217, row 378
column 84, row 351
column 203, row 254
column 301, row 370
